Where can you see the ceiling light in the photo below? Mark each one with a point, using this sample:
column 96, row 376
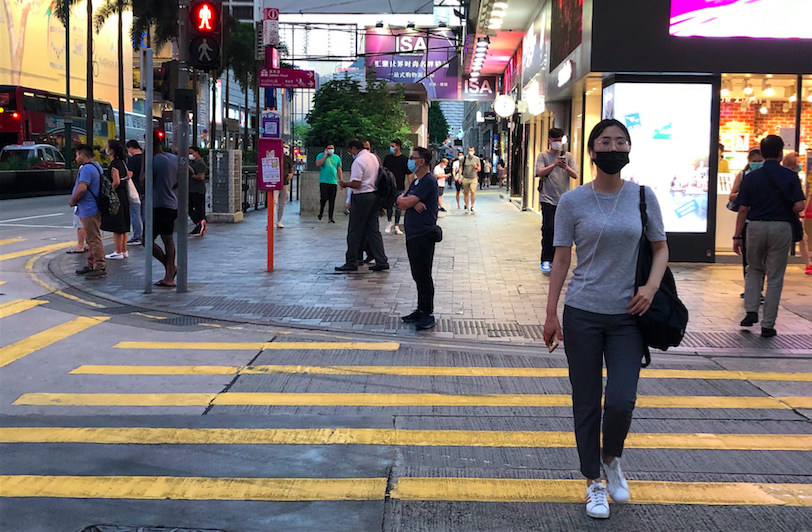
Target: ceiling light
column 752, row 98
column 793, row 98
column 763, row 110
column 769, row 91
column 769, row 75
column 498, row 13
column 493, row 26
column 725, row 92
column 476, row 67
column 748, row 90
column 481, row 53
column 473, row 75
column 495, row 20
column 500, row 5
column 481, row 47
column 809, row 98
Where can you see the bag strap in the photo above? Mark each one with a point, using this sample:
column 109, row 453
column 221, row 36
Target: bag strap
column 788, row 203
column 644, row 220
column 100, row 184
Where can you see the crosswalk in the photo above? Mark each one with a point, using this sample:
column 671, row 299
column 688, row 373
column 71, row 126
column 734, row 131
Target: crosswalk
column 268, row 378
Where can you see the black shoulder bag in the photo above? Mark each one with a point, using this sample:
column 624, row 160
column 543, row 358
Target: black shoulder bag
column 663, row 325
column 794, row 219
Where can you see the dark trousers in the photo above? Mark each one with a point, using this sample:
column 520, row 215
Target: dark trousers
column 364, row 226
column 327, row 193
column 197, row 207
column 393, row 210
column 421, row 257
column 588, row 339
column 547, row 231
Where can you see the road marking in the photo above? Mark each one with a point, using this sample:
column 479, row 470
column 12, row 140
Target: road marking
column 2, row 282
column 29, row 268
column 389, row 400
column 5, row 241
column 643, row 492
column 19, row 305
column 194, row 488
column 361, row 436
column 17, row 350
column 265, row 346
column 33, row 217
column 426, row 371
column 36, row 251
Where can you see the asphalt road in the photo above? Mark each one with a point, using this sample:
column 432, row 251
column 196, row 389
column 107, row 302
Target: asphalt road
column 113, row 417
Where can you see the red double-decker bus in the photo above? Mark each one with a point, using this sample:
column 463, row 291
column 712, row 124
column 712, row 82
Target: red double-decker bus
column 31, row 115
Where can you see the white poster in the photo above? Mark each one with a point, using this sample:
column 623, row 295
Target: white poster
column 670, row 127
column 271, row 173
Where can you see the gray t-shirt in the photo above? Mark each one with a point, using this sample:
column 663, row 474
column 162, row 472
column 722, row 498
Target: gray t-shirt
column 603, row 280
column 469, row 167
column 556, row 182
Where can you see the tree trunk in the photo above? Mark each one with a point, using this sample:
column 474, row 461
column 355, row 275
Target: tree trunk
column 226, row 128
column 247, row 114
column 89, row 52
column 121, row 110
column 213, row 107
column 68, row 135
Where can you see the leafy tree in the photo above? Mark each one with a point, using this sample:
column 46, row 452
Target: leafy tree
column 158, row 19
column 438, row 126
column 343, row 111
column 108, row 9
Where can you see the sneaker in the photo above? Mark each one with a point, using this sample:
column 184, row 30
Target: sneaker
column 134, row 241
column 195, row 231
column 442, row 209
column 617, row 486
column 84, row 271
column 279, row 225
column 332, row 221
column 126, row 254
column 546, row 266
column 426, row 321
column 750, row 319
column 202, row 227
column 114, row 255
column 472, row 210
column 597, row 506
column 398, row 231
column 466, row 208
column 767, row 332
column 388, row 228
column 414, row 317
column 96, row 274
column 320, row 216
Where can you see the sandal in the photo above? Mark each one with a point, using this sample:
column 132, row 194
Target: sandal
column 164, row 284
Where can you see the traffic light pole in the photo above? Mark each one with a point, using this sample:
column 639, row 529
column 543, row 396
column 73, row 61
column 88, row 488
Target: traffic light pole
column 182, row 139
column 146, row 72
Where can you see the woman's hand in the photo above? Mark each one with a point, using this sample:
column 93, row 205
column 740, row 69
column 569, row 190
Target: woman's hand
column 552, row 329
column 642, row 301
column 733, row 196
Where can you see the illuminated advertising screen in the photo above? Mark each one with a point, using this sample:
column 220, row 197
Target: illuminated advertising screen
column 670, row 127
column 765, row 19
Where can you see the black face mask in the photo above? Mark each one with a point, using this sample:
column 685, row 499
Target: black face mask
column 611, row 162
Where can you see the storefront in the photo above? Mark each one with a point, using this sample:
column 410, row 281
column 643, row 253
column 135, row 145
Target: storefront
column 681, row 88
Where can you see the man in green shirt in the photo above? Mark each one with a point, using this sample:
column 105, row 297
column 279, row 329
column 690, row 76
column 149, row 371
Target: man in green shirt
column 197, row 191
column 329, row 165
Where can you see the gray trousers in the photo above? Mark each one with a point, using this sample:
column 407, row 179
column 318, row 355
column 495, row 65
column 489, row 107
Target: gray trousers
column 768, row 247
column 588, row 339
column 364, row 227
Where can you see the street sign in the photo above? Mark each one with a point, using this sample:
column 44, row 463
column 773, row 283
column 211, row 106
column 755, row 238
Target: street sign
column 270, row 127
column 270, row 32
column 287, row 78
column 270, row 13
column 271, row 158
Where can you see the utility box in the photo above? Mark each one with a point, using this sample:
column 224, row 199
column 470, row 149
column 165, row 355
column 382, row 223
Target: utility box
column 225, row 177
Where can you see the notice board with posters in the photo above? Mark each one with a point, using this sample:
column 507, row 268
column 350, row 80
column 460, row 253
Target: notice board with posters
column 270, row 160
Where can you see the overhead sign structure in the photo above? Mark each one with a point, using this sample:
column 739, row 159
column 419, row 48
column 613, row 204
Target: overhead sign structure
column 482, row 88
column 205, row 34
column 287, row 78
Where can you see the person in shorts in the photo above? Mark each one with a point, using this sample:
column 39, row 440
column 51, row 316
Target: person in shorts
column 164, row 210
column 471, row 167
column 439, row 173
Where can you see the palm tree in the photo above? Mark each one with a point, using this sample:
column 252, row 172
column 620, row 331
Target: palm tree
column 243, row 62
column 61, row 10
column 104, row 12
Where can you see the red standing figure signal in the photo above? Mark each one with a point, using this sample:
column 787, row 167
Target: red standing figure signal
column 205, row 35
column 204, row 17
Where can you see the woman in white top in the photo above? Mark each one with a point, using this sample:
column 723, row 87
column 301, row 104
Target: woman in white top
column 439, row 173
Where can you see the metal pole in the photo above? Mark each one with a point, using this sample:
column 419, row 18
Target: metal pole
column 89, row 103
column 182, row 138
column 69, row 114
column 146, row 70
column 195, row 137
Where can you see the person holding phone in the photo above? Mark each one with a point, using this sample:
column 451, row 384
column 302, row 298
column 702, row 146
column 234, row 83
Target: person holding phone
column 555, row 168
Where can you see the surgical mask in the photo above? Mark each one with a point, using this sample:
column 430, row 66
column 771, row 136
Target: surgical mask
column 470, row 154
column 191, row 157
column 556, row 145
column 355, row 155
column 392, row 150
column 412, row 166
column 331, row 151
column 611, row 162
column 756, row 166
column 461, row 157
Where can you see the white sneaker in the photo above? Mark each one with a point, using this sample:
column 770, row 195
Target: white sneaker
column 546, row 267
column 126, row 254
column 388, row 228
column 596, row 504
column 398, row 231
column 616, row 483
column 114, row 255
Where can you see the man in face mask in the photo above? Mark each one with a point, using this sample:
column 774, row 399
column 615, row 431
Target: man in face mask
column 471, row 167
column 197, row 191
column 456, row 174
column 555, row 168
column 330, row 174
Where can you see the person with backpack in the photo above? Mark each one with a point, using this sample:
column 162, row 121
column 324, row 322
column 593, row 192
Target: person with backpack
column 365, row 207
column 118, row 222
column 397, row 163
column 85, row 193
column 603, row 220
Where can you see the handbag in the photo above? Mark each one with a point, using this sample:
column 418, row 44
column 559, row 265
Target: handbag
column 732, row 206
column 132, row 193
column 794, row 218
column 438, row 233
column 664, row 324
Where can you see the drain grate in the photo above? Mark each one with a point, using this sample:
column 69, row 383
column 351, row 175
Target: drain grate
column 185, row 321
column 126, row 309
column 119, row 528
column 746, row 341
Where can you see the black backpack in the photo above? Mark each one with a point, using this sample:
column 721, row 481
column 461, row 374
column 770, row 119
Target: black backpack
column 386, row 187
column 107, row 200
column 663, row 325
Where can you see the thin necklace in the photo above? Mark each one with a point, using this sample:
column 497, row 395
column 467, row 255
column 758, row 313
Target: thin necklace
column 605, row 219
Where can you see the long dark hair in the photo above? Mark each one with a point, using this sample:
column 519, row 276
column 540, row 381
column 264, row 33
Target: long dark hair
column 117, row 149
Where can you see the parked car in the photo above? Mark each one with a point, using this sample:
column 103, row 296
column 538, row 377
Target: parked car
column 43, row 156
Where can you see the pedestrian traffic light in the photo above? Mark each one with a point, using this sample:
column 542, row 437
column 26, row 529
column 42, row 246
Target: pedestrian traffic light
column 205, row 34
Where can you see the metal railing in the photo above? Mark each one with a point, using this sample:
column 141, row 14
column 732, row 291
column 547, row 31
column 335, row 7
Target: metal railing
column 253, row 199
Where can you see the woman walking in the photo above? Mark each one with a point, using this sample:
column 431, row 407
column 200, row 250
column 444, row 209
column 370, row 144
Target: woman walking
column 754, row 162
column 119, row 223
column 602, row 220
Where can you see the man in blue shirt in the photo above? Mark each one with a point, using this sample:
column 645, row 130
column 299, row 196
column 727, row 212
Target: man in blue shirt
column 85, row 192
column 769, row 198
column 421, row 205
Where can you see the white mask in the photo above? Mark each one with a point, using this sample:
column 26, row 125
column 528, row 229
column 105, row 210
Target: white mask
column 191, row 157
column 556, row 145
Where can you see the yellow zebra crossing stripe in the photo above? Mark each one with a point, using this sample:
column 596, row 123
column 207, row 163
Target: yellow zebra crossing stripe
column 364, row 436
column 266, row 346
column 17, row 350
column 19, row 305
column 391, row 400
column 642, row 492
column 5, row 241
column 36, row 251
column 443, row 371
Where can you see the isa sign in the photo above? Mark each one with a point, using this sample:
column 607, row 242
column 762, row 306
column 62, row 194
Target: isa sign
column 271, row 157
column 482, row 88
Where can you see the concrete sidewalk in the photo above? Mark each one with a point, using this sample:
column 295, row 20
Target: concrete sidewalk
column 488, row 283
